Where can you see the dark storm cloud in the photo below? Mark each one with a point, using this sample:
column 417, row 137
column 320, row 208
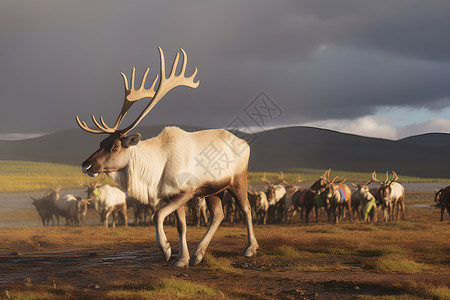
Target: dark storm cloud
column 316, row 59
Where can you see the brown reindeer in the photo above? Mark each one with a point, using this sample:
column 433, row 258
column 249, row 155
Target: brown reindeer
column 337, row 196
column 260, row 205
column 45, row 205
column 390, row 195
column 141, row 210
column 175, row 165
column 305, row 200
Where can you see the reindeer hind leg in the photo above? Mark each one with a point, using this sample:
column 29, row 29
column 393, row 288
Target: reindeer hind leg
column 239, row 192
column 214, row 204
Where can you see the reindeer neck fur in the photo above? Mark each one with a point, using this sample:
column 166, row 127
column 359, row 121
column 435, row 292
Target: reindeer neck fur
column 141, row 178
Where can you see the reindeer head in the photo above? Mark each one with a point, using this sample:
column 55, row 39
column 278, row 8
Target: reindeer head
column 331, row 187
column 91, row 187
column 363, row 188
column 385, row 188
column 272, row 187
column 321, row 183
column 292, row 187
column 438, row 195
column 113, row 153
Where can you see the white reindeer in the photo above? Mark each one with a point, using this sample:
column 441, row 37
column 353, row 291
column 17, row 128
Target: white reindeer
column 176, row 165
column 363, row 198
column 275, row 194
column 73, row 208
column 108, row 200
column 391, row 194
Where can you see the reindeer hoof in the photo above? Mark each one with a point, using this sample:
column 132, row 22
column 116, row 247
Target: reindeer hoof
column 180, row 263
column 167, row 253
column 195, row 259
column 250, row 251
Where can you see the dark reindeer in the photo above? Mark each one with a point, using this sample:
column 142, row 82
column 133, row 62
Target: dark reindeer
column 442, row 197
column 174, row 165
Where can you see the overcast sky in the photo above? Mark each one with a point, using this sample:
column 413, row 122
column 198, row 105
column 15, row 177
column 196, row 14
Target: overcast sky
column 374, row 68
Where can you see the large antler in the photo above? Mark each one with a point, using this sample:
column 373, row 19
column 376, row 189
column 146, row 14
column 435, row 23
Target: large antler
column 132, row 95
column 264, row 179
column 326, row 175
column 394, row 178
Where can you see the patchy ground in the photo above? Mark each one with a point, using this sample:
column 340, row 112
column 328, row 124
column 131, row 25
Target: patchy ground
column 409, row 259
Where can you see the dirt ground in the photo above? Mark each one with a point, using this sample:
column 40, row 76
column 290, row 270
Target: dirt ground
column 296, row 261
column 90, row 273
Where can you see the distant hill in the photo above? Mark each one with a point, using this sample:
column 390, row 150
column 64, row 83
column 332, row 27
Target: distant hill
column 274, row 150
column 288, row 148
column 429, row 139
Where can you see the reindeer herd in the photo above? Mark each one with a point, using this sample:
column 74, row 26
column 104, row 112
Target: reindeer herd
column 105, row 199
column 279, row 202
column 282, row 201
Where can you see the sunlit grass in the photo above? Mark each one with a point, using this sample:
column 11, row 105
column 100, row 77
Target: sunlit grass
column 394, row 264
column 220, row 264
column 26, row 176
column 166, row 287
column 285, row 251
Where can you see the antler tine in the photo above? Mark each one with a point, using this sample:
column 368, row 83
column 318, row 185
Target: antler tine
column 374, row 177
column 394, row 176
column 334, row 179
column 83, row 126
column 387, row 177
column 368, row 182
column 105, row 128
column 132, row 95
column 264, row 179
column 342, row 182
column 166, row 84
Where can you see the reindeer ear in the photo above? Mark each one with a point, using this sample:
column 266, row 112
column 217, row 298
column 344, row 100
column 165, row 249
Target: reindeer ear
column 131, row 140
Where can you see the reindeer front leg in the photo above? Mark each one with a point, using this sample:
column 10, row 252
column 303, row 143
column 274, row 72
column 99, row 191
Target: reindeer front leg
column 174, row 203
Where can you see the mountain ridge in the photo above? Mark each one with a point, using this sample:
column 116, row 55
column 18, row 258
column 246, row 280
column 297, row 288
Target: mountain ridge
column 286, row 148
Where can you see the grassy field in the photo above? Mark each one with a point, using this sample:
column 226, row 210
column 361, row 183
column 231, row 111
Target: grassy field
column 404, row 260
column 25, row 176
column 396, row 260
